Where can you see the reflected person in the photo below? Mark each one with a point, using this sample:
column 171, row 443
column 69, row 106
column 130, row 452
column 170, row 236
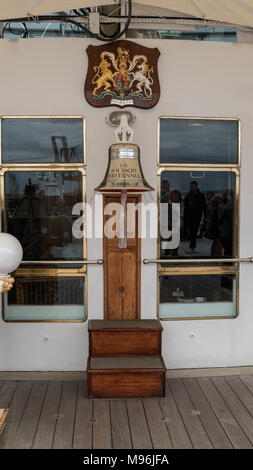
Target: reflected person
column 225, row 222
column 194, row 208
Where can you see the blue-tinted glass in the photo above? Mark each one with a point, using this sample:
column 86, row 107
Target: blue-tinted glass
column 47, row 140
column 199, row 141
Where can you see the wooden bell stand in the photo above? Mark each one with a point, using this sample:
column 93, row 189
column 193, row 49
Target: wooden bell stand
column 124, row 355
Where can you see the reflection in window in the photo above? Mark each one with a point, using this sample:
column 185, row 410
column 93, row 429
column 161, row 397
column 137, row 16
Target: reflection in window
column 207, row 212
column 42, row 140
column 199, row 141
column 197, row 295
column 43, row 298
column 38, row 211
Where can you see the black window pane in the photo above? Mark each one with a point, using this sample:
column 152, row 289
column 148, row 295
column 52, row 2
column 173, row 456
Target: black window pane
column 200, row 289
column 207, row 213
column 40, row 298
column 198, row 141
column 38, row 211
column 47, row 291
column 42, row 140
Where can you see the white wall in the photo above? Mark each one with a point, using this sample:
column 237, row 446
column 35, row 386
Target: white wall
column 46, row 76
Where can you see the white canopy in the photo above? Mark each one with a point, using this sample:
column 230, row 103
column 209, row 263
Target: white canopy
column 238, row 12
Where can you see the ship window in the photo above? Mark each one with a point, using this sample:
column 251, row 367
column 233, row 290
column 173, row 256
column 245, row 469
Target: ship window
column 42, row 140
column 198, row 191
column 198, row 295
column 199, row 141
column 48, row 296
column 40, row 185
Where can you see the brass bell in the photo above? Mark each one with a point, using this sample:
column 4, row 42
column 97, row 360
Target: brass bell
column 124, row 170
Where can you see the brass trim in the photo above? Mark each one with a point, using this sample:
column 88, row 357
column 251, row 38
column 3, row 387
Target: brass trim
column 218, row 168
column 7, row 283
column 199, row 270
column 50, row 272
column 5, row 168
column 36, row 165
column 83, row 216
column 197, row 165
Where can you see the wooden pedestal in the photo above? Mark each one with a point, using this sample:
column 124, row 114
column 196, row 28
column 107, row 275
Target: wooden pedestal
column 125, row 359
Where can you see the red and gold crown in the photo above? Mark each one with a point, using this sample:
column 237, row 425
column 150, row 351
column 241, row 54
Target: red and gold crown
column 123, row 55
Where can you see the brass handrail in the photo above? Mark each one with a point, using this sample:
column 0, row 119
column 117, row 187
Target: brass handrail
column 96, row 261
column 194, row 260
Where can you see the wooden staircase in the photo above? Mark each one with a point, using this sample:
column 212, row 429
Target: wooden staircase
column 125, row 359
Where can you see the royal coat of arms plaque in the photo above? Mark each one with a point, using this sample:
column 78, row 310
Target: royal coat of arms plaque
column 122, row 73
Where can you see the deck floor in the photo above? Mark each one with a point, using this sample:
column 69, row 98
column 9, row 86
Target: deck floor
column 197, row 412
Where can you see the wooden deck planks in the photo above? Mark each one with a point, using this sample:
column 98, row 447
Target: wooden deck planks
column 102, row 438
column 221, row 409
column 178, row 434
column 7, row 390
column 207, row 417
column 25, row 433
column 190, row 416
column 242, row 392
column 46, row 426
column 138, row 425
column 16, row 409
column 203, row 412
column 63, row 438
column 157, row 424
column 121, row 436
column 240, row 413
column 83, row 421
column 248, row 381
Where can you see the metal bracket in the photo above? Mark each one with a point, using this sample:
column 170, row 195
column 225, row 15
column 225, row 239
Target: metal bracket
column 114, row 118
column 122, row 120
column 94, row 22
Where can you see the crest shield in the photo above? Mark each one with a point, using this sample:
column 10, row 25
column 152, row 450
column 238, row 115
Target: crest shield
column 122, row 73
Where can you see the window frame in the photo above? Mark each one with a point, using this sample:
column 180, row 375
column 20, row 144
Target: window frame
column 217, row 268
column 50, row 273
column 55, row 267
column 37, row 165
column 193, row 271
column 199, row 165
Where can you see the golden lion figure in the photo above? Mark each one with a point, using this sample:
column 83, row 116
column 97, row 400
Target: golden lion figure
column 103, row 77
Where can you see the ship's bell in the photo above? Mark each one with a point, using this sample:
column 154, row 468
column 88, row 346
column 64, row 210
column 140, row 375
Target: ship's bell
column 124, row 170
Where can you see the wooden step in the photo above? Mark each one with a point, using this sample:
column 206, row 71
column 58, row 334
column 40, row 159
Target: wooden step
column 126, row 377
column 124, row 337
